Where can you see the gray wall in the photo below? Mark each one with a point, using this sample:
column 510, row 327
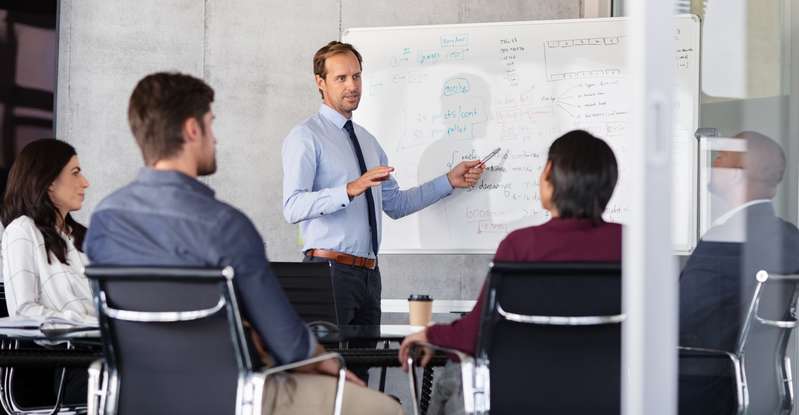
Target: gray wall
column 257, row 55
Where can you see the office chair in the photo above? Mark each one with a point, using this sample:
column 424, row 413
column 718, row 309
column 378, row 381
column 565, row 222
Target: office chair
column 761, row 350
column 174, row 343
column 550, row 341
column 309, row 288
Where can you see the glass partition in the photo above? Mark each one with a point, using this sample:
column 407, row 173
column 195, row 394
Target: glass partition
column 738, row 288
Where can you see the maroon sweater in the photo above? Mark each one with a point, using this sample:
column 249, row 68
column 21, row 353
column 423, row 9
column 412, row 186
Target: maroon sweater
column 556, row 240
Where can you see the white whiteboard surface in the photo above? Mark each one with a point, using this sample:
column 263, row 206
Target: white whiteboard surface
column 436, row 95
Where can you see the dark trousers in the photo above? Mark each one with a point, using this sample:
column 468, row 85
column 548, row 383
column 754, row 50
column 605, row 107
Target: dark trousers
column 357, row 292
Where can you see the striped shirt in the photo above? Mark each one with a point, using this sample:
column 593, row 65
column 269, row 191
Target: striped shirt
column 37, row 290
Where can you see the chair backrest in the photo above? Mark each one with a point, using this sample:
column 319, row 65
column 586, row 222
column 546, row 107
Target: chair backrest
column 763, row 342
column 309, row 288
column 173, row 339
column 551, row 334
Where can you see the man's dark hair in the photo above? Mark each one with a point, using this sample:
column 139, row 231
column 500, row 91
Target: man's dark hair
column 331, row 49
column 583, row 175
column 27, row 193
column 158, row 107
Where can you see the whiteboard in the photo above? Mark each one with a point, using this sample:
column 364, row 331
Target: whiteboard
column 436, row 95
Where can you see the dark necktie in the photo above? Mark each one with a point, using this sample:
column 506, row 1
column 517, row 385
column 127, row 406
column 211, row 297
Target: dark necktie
column 370, row 201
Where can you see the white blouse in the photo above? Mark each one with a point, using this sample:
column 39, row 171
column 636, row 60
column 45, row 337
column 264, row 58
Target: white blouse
column 35, row 289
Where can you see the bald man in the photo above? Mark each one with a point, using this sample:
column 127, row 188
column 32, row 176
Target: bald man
column 718, row 280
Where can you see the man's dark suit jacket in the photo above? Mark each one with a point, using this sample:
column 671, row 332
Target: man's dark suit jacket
column 716, row 287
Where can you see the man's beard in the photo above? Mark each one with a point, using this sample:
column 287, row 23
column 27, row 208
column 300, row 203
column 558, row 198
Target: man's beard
column 208, row 168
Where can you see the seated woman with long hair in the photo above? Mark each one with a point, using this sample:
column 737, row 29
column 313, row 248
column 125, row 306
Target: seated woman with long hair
column 41, row 251
column 575, row 187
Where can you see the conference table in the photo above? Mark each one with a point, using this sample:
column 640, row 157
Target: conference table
column 79, row 347
column 30, row 346
column 51, row 355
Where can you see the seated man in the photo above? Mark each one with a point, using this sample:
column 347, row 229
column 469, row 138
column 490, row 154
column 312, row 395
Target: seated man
column 718, row 281
column 166, row 217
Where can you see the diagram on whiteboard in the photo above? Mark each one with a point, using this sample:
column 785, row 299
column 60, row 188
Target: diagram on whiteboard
column 437, row 95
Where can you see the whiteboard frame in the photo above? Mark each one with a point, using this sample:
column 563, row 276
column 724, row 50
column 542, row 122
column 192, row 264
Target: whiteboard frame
column 694, row 191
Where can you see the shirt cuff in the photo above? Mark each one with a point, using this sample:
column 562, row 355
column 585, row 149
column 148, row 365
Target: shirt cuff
column 442, row 186
column 339, row 197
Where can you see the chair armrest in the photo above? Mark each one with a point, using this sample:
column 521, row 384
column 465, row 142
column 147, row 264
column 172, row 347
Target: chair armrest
column 306, row 362
column 715, row 354
column 703, row 350
column 475, row 380
column 461, row 355
column 741, row 389
column 342, row 373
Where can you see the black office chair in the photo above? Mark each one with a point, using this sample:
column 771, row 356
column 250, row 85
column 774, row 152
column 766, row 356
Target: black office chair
column 174, row 343
column 758, row 371
column 550, row 341
column 309, row 288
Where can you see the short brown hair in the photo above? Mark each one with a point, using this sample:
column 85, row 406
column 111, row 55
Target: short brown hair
column 331, row 49
column 158, row 107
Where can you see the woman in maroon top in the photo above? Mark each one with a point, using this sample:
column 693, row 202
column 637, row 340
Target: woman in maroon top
column 575, row 187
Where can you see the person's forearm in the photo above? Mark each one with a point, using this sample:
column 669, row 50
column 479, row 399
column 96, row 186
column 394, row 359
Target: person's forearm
column 399, row 203
column 305, row 205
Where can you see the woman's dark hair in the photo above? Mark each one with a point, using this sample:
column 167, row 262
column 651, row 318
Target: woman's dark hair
column 35, row 169
column 583, row 175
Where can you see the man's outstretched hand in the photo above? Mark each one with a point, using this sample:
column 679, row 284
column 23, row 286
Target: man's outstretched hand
column 465, row 174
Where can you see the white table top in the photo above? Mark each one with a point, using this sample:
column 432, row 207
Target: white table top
column 46, row 328
column 439, row 306
column 399, row 329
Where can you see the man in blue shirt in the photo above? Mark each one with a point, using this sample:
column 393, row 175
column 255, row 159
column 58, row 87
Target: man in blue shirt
column 166, row 217
column 336, row 181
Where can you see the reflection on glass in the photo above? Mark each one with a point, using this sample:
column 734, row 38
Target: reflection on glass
column 718, row 283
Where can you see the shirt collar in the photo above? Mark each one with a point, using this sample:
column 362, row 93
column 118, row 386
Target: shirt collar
column 148, row 175
column 721, row 220
column 333, row 116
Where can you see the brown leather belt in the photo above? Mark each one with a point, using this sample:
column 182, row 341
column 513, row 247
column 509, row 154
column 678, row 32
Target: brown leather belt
column 342, row 258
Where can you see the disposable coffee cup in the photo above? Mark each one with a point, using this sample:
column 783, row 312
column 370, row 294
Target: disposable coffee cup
column 420, row 309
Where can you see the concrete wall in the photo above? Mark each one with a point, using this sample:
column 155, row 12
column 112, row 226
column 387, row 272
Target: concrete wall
column 257, row 55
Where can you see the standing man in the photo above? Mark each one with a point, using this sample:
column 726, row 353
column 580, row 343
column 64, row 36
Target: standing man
column 336, row 181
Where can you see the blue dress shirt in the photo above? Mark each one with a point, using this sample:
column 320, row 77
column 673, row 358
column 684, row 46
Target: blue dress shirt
column 165, row 218
column 318, row 162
